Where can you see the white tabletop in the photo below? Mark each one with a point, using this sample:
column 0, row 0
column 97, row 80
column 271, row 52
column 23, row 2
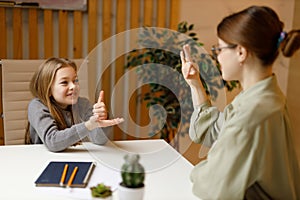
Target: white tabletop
column 167, row 172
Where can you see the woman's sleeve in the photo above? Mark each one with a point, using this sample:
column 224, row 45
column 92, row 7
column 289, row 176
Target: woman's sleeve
column 230, row 167
column 206, row 122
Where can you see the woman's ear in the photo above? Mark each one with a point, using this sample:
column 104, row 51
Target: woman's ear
column 242, row 53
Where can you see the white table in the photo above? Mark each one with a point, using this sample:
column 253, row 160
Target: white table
column 167, row 172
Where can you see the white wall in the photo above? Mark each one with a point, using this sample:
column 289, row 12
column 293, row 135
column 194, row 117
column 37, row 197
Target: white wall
column 293, row 90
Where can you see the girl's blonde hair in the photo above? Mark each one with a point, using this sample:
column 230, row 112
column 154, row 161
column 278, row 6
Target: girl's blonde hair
column 40, row 87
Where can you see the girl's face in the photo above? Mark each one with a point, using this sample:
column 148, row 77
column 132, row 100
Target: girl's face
column 228, row 59
column 65, row 87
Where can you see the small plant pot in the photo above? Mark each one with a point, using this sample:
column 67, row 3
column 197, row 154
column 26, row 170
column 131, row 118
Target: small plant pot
column 126, row 193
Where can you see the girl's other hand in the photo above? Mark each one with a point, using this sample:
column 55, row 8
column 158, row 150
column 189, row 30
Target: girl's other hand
column 94, row 122
column 99, row 117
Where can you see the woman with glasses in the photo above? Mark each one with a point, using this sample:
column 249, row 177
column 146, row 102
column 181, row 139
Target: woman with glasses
column 252, row 155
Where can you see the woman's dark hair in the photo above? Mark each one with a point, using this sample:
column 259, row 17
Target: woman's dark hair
column 260, row 31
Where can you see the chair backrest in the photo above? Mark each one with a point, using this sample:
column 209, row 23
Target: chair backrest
column 16, row 75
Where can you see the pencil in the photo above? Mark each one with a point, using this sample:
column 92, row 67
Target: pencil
column 72, row 177
column 63, row 175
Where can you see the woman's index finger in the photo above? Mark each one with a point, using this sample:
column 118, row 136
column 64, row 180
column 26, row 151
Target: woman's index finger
column 187, row 53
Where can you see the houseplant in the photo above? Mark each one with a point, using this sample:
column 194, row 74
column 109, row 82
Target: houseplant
column 133, row 176
column 101, row 191
column 159, row 48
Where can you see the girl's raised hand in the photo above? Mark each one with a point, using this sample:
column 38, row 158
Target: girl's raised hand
column 99, row 108
column 99, row 117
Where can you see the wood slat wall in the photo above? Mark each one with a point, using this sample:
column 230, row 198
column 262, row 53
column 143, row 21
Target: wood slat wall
column 17, row 34
column 33, row 33
column 49, row 34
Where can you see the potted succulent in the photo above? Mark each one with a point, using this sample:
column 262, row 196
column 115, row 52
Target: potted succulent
column 133, row 176
column 101, row 191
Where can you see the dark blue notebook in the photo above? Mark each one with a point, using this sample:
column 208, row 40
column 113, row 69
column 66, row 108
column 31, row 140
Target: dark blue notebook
column 51, row 175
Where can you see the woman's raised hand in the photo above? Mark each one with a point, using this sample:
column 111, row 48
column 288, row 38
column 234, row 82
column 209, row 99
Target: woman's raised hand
column 189, row 68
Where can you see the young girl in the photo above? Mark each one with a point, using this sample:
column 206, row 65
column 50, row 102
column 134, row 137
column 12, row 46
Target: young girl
column 57, row 116
column 252, row 155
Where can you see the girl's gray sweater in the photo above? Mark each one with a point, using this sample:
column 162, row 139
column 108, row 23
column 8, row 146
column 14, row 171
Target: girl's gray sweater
column 44, row 130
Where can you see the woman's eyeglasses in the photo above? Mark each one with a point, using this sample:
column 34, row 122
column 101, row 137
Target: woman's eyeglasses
column 216, row 50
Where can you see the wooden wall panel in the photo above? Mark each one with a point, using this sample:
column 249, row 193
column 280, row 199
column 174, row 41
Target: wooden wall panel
column 161, row 13
column 136, row 18
column 3, row 54
column 134, row 13
column 33, row 33
column 119, row 63
column 17, row 34
column 48, row 34
column 77, row 40
column 92, row 39
column 3, row 35
column 63, row 33
column 174, row 17
column 148, row 12
column 106, row 51
column 144, row 118
column 135, row 21
column 92, row 24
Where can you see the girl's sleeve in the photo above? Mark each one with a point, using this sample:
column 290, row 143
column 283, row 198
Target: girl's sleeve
column 98, row 135
column 46, row 127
